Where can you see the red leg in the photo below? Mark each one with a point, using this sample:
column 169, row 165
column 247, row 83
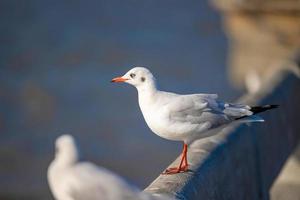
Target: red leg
column 183, row 166
column 186, row 165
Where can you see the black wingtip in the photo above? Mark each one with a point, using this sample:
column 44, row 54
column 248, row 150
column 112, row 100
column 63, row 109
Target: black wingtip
column 259, row 109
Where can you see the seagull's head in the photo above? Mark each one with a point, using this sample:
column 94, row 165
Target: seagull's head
column 66, row 149
column 140, row 77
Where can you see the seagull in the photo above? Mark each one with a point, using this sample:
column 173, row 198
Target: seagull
column 185, row 117
column 70, row 179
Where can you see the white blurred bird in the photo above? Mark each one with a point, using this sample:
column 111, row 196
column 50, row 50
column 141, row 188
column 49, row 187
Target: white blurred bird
column 70, row 179
column 185, row 117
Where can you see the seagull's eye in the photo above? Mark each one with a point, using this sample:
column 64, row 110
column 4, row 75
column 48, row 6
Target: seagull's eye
column 143, row 79
column 132, row 75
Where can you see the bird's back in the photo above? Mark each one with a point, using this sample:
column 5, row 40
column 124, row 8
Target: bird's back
column 90, row 182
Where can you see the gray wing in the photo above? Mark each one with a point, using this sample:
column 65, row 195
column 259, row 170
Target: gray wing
column 204, row 110
column 89, row 182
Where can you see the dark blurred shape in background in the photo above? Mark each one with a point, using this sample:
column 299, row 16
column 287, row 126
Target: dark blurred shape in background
column 57, row 58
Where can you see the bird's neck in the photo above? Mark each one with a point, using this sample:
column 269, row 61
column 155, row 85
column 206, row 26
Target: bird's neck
column 65, row 159
column 147, row 91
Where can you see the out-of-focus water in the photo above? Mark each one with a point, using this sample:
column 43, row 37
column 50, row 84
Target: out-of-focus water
column 56, row 62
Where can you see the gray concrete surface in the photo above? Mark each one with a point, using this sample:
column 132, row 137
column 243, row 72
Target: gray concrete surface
column 243, row 161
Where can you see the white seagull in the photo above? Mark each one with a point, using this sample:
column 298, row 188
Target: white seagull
column 184, row 117
column 70, row 179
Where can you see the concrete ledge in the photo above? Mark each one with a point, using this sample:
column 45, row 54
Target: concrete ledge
column 243, row 161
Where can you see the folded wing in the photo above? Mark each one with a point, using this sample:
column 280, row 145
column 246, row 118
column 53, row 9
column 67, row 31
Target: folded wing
column 204, row 110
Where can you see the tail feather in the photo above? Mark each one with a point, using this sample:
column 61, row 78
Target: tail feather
column 258, row 109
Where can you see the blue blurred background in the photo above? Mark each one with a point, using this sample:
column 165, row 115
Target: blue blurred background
column 57, row 59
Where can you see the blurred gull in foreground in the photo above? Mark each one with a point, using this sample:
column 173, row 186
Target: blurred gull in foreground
column 70, row 179
column 185, row 117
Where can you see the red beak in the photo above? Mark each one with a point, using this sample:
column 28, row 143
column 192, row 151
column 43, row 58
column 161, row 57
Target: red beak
column 119, row 80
